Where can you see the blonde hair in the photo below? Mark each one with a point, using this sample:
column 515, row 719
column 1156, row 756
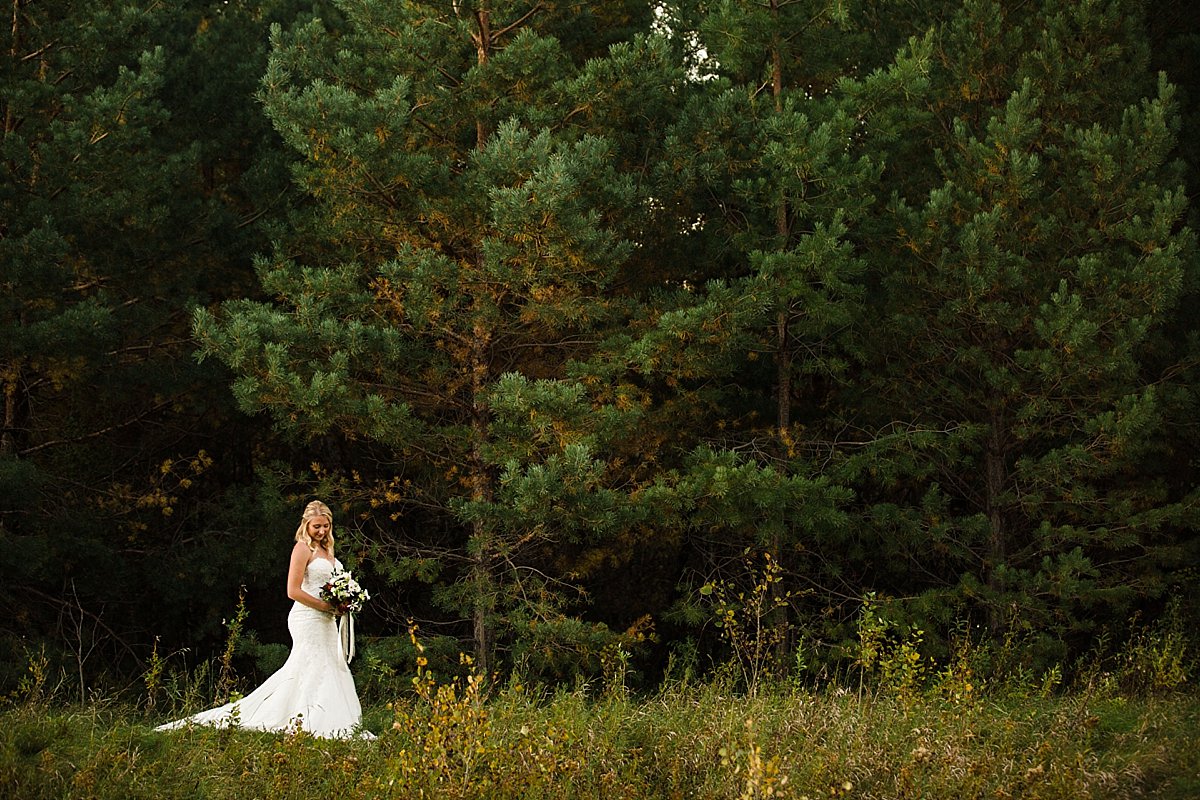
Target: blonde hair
column 315, row 509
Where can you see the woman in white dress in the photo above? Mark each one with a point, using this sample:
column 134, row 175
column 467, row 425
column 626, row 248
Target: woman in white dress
column 313, row 690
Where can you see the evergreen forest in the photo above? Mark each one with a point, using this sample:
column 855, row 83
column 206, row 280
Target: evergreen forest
column 637, row 337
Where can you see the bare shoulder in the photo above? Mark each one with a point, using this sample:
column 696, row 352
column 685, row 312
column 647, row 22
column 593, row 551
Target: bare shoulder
column 301, row 552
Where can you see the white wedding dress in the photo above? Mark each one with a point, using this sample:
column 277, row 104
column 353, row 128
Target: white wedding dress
column 313, row 690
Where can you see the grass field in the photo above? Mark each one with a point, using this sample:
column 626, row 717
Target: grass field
column 684, row 741
column 892, row 725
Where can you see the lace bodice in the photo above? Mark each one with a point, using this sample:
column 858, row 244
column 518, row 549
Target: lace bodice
column 317, row 574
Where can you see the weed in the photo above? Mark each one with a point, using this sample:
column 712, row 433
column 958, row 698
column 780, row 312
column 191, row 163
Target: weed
column 748, row 619
column 444, row 730
column 957, row 680
column 31, row 688
column 760, row 776
column 1156, row 659
column 152, row 678
column 888, row 654
column 227, row 677
column 614, row 662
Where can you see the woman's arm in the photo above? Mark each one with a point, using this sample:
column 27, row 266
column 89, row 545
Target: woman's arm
column 300, row 556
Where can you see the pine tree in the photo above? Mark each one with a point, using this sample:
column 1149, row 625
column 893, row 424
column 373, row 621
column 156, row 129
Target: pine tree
column 769, row 172
column 83, row 194
column 458, row 252
column 121, row 208
column 1022, row 292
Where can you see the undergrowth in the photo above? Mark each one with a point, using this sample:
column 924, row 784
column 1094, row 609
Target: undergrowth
column 683, row 741
column 894, row 725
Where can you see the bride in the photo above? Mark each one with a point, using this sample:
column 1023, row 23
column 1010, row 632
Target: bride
column 313, row 690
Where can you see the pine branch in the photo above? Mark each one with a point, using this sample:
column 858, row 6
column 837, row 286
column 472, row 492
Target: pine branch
column 96, row 434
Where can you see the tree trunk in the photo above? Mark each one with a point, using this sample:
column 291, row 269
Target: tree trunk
column 9, row 122
column 481, row 491
column 482, row 578
column 8, row 442
column 783, row 355
column 996, row 470
column 483, row 49
column 16, row 404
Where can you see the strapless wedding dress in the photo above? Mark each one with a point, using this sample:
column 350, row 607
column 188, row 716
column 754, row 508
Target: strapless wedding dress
column 313, row 690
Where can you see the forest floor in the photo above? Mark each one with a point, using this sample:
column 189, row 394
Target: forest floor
column 683, row 741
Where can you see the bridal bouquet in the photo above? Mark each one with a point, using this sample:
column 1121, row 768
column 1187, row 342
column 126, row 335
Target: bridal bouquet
column 344, row 593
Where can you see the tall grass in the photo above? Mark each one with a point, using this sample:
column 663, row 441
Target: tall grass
column 684, row 741
column 892, row 725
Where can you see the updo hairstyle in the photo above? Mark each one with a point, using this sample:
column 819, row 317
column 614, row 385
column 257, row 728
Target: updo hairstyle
column 315, row 509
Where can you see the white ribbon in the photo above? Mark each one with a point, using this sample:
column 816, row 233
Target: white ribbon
column 346, row 636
